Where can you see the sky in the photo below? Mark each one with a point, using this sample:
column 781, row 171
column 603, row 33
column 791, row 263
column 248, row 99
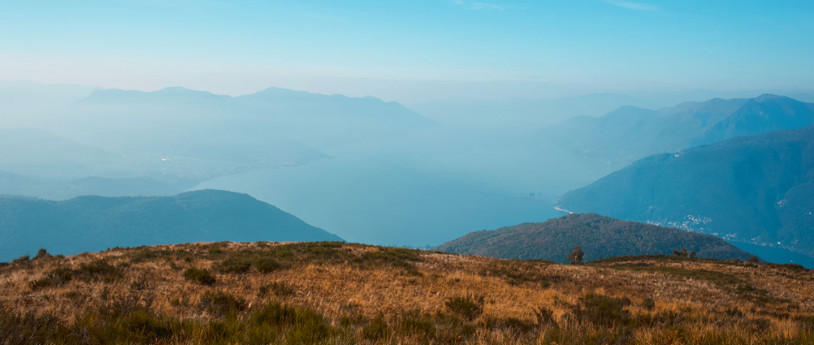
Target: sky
column 410, row 50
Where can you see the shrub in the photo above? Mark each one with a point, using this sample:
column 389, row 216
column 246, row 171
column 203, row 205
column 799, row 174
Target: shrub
column 377, row 329
column 301, row 325
column 56, row 277
column 98, row 269
column 451, row 329
column 235, row 264
column 266, row 265
column 415, row 323
column 468, row 308
column 21, row 260
column 144, row 323
column 602, row 310
column 199, row 275
column 42, row 254
column 220, row 303
column 241, row 262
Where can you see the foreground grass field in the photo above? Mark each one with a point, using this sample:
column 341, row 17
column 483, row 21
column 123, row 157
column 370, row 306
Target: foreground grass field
column 337, row 293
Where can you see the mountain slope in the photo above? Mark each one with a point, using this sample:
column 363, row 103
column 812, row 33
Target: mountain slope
column 630, row 133
column 600, row 237
column 757, row 189
column 335, row 293
column 95, row 223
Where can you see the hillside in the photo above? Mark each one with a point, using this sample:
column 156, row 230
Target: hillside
column 756, row 189
column 334, row 293
column 599, row 237
column 93, row 223
column 630, row 133
column 61, row 189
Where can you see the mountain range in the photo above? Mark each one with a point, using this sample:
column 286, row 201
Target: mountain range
column 93, row 223
column 630, row 133
column 599, row 237
column 753, row 189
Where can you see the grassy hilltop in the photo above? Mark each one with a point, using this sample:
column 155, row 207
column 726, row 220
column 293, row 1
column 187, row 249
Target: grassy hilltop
column 337, row 293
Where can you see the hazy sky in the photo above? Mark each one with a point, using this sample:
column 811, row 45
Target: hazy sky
column 410, row 50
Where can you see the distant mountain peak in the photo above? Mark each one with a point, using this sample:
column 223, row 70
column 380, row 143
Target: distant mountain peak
column 768, row 97
column 173, row 93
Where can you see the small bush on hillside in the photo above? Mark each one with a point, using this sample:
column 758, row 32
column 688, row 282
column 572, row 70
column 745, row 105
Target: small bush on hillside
column 42, row 254
column 56, row 277
column 377, row 329
column 602, row 310
column 220, row 303
column 21, row 260
column 301, row 325
column 200, row 276
column 265, row 265
column 468, row 308
column 98, row 269
column 234, row 264
column 415, row 323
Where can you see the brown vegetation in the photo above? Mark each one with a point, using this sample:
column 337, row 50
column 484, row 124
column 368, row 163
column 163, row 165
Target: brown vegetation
column 336, row 293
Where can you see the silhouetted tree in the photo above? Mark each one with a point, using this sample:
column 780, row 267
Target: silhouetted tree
column 575, row 257
column 692, row 254
column 753, row 260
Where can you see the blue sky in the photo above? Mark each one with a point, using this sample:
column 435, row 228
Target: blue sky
column 406, row 48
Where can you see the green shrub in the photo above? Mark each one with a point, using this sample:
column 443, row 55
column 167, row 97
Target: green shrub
column 265, row 265
column 221, row 304
column 602, row 310
column 235, row 264
column 300, row 325
column 450, row 329
column 200, row 276
column 98, row 269
column 415, row 323
column 377, row 329
column 149, row 326
column 56, row 277
column 468, row 308
column 241, row 262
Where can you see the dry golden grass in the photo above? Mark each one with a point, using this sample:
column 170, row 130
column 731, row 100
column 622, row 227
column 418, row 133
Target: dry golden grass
column 695, row 301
